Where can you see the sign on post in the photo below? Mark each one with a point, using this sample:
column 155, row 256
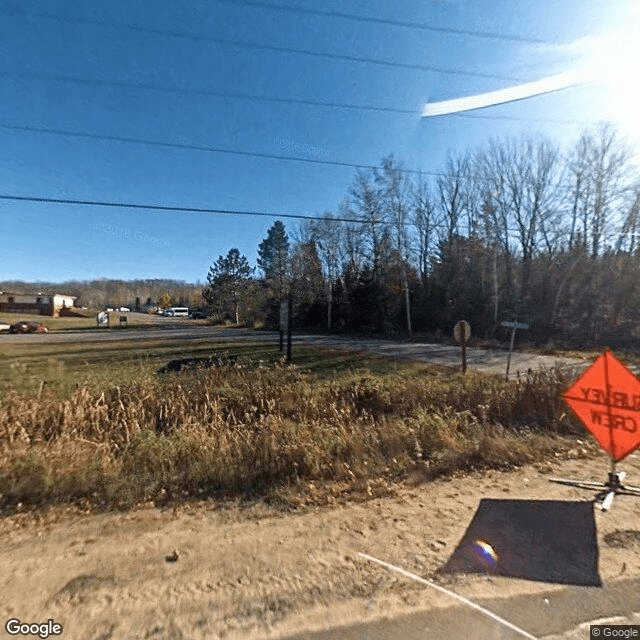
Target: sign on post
column 512, row 325
column 461, row 334
column 606, row 399
column 102, row 319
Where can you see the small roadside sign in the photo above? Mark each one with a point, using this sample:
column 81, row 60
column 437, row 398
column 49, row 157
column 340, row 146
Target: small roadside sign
column 462, row 331
column 514, row 325
column 102, row 319
column 606, row 399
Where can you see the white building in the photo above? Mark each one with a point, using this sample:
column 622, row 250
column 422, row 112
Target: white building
column 44, row 304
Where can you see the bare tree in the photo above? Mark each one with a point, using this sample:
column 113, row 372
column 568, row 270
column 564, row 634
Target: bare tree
column 424, row 219
column 599, row 164
column 534, row 181
column 365, row 203
column 491, row 167
column 395, row 196
column 452, row 195
column 327, row 234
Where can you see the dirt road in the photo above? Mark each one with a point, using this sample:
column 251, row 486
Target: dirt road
column 253, row 571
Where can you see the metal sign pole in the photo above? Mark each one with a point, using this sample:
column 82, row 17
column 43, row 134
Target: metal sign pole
column 512, row 325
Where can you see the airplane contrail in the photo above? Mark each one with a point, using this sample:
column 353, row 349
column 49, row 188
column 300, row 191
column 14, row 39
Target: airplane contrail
column 549, row 84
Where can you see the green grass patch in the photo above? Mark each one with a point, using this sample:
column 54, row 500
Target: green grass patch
column 99, row 364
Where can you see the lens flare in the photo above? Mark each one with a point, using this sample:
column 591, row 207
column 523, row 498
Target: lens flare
column 486, row 553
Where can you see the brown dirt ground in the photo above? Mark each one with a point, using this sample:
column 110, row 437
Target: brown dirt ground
column 250, row 570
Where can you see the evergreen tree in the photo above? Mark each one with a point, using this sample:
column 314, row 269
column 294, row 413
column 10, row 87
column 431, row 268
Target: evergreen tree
column 228, row 280
column 273, row 259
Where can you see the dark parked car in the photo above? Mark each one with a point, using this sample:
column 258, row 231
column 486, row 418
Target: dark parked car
column 28, row 326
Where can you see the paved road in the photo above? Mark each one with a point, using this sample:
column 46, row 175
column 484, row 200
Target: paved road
column 544, row 614
column 485, row 360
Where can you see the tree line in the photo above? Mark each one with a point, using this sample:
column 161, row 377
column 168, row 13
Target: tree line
column 98, row 294
column 516, row 229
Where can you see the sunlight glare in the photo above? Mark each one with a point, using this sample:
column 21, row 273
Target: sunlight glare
column 613, row 61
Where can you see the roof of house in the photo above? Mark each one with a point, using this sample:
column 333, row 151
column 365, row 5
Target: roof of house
column 40, row 293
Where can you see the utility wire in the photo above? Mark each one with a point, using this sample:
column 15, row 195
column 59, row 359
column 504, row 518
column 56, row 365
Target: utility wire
column 258, row 98
column 237, row 212
column 157, row 207
column 195, row 147
column 257, row 46
column 386, row 22
column 204, row 92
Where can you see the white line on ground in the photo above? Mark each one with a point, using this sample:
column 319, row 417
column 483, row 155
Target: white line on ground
column 473, row 605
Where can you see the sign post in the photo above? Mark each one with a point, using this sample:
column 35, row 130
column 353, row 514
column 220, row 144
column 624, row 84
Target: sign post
column 513, row 325
column 284, row 321
column 289, row 320
column 462, row 333
column 606, row 399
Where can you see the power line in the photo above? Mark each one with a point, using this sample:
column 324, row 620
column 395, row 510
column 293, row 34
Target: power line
column 195, row 147
column 205, row 92
column 260, row 98
column 157, row 207
column 180, row 209
column 261, row 47
column 393, row 23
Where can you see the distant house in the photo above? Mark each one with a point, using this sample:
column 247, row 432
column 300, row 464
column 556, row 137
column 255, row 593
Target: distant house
column 44, row 304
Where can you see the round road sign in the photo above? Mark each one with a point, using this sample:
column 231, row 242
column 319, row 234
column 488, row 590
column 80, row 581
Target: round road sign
column 462, row 331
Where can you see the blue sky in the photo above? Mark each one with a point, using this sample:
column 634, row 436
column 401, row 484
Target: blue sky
column 168, row 73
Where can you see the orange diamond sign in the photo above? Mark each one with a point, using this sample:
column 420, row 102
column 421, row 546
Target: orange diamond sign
column 606, row 398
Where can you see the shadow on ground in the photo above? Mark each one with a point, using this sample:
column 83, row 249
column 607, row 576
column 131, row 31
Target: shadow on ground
column 546, row 540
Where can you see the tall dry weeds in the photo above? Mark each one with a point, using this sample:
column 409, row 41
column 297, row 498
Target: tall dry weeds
column 251, row 429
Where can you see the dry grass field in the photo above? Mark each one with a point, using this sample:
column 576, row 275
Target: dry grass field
column 96, row 423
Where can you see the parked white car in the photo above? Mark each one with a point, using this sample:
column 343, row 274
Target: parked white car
column 176, row 311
